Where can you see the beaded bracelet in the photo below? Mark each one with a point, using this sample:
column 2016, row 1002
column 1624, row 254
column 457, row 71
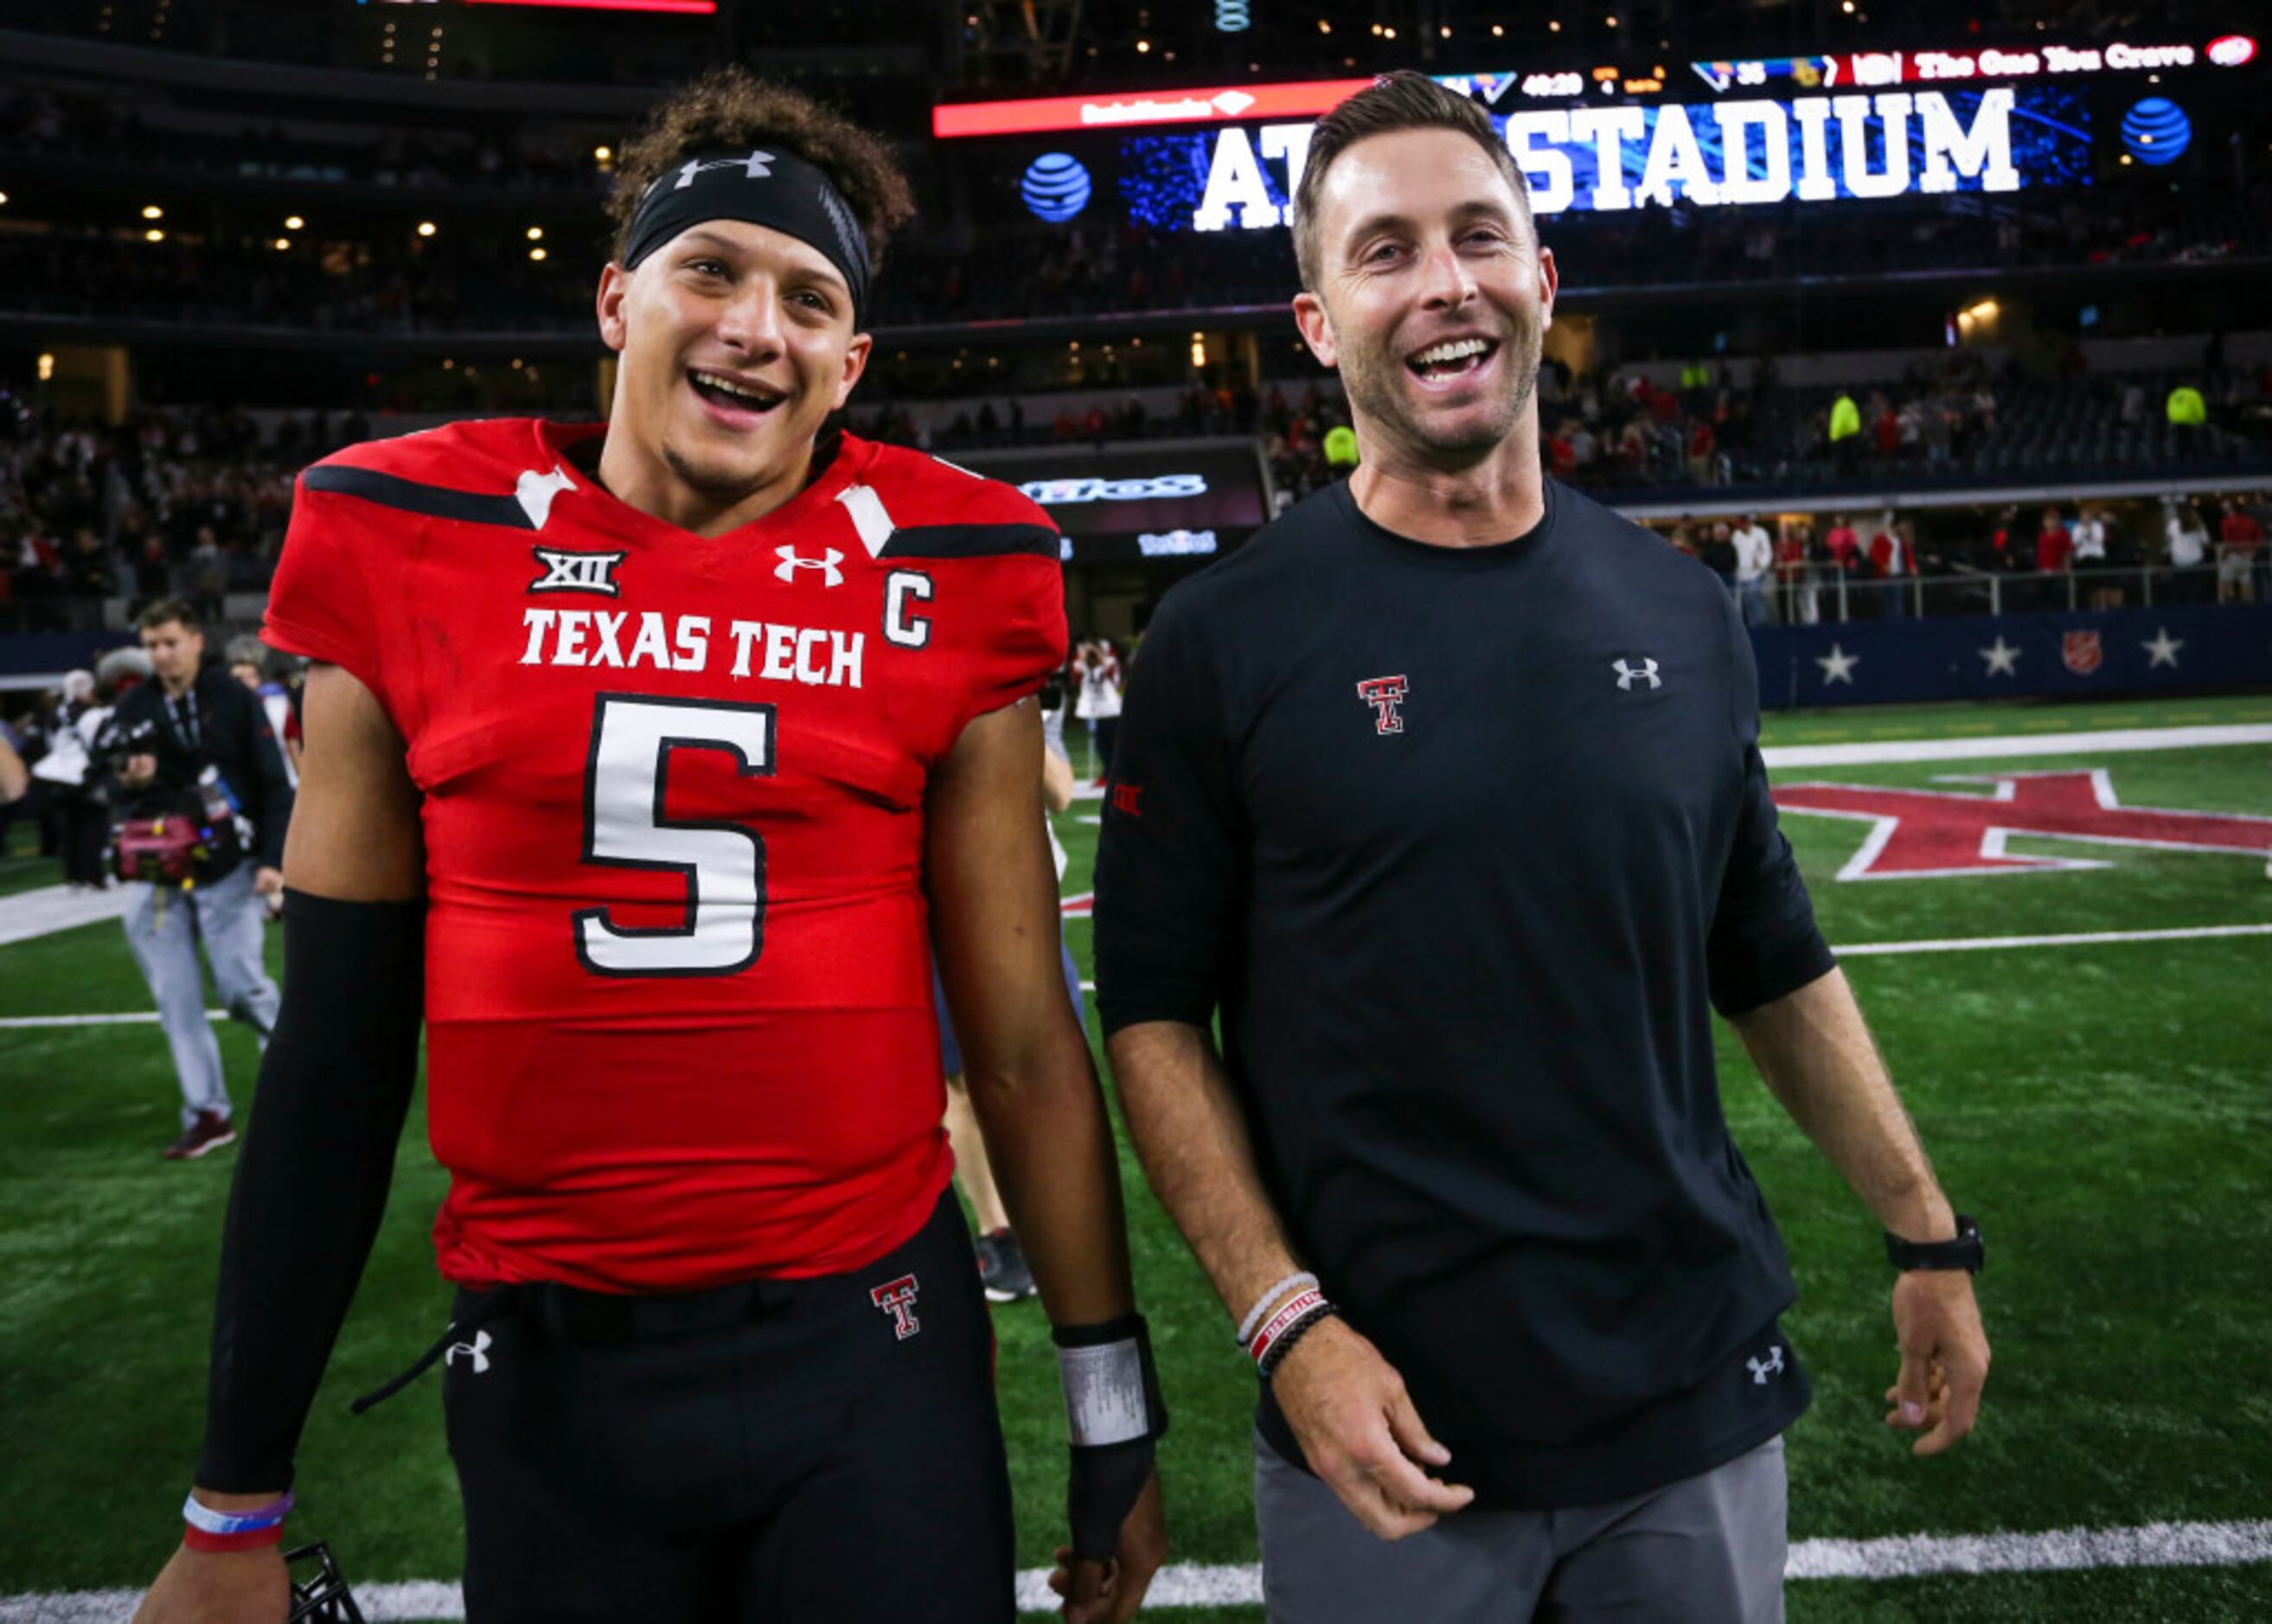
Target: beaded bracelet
column 1302, row 1276
column 1296, row 1308
column 1276, row 1353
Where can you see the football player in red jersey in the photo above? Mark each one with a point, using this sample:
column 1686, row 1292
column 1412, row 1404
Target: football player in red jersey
column 639, row 758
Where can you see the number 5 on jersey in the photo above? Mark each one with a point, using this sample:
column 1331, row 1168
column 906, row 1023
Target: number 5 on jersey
column 633, row 738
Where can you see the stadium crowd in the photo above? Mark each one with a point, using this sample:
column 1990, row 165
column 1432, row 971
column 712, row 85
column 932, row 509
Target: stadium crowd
column 194, row 503
column 190, row 504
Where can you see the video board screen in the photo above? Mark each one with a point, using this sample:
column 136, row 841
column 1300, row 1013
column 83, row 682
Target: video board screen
column 1725, row 134
column 1815, row 148
column 678, row 7
column 1136, row 502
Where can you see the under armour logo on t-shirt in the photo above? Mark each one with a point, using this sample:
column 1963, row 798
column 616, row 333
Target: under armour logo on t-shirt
column 1627, row 675
column 791, row 564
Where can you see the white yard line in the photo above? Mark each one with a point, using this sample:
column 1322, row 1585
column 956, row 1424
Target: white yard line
column 1953, row 944
column 2113, row 741
column 2093, row 938
column 1191, row 1584
column 51, row 908
column 34, row 913
column 140, row 1018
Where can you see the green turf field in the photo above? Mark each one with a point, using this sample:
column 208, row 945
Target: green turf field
column 2105, row 1110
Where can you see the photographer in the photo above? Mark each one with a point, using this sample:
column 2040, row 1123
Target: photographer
column 203, row 851
column 78, row 816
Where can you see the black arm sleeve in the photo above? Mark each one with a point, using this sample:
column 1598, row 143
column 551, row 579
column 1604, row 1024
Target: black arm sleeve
column 1171, row 858
column 312, row 1178
column 1764, row 942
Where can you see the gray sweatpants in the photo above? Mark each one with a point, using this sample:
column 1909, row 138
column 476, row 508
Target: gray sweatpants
column 1707, row 1550
column 164, row 933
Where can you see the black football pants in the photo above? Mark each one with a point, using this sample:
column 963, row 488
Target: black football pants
column 830, row 1454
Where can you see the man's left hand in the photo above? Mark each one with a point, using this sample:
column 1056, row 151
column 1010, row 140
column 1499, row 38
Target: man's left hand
column 1944, row 1357
column 267, row 882
column 1110, row 1592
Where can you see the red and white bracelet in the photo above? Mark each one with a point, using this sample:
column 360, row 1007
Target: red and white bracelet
column 1294, row 1316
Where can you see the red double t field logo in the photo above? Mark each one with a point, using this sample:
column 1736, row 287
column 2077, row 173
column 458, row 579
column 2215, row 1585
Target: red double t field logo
column 1923, row 833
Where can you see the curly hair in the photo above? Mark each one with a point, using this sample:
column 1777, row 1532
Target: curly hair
column 731, row 107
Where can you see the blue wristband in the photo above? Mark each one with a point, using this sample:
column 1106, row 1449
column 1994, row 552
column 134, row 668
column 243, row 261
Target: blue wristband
column 206, row 1520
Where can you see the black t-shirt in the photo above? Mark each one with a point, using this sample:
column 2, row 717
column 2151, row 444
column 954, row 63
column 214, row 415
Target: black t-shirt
column 1466, row 844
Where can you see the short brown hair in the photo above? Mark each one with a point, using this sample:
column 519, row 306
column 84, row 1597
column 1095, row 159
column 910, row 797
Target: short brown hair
column 170, row 612
column 731, row 107
column 1399, row 100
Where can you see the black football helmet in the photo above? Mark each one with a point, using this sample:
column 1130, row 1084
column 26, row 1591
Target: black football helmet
column 321, row 1597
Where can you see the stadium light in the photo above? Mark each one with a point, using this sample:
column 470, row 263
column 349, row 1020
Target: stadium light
column 293, row 222
column 154, row 235
column 537, row 234
column 683, row 8
column 283, row 243
column 47, row 367
column 537, row 253
column 151, row 211
column 4, row 199
column 425, row 227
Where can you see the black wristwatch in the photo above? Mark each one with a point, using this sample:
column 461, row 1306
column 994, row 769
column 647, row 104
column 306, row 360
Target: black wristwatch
column 1963, row 1252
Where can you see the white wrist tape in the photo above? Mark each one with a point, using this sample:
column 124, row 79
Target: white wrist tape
column 1104, row 1393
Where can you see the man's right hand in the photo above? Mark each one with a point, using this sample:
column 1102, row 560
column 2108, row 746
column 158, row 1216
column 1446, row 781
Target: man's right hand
column 139, row 771
column 219, row 1587
column 1359, row 1432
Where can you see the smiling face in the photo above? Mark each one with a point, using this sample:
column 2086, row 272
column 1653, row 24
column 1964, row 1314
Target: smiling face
column 1433, row 294
column 737, row 343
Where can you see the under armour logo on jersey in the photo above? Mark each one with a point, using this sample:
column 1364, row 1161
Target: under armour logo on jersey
column 476, row 1352
column 1762, row 1368
column 536, row 491
column 1384, row 695
column 791, row 564
column 1628, row 675
column 757, row 167
column 897, row 1298
column 577, row 572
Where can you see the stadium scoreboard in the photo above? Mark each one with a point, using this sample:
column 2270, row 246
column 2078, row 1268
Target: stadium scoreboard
column 1711, row 135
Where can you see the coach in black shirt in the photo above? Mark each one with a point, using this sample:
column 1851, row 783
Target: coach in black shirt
column 1445, row 792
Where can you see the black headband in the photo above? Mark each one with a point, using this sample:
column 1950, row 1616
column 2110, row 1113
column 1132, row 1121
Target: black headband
column 773, row 188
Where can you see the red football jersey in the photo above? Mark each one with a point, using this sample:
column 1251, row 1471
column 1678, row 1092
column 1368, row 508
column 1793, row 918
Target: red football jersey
column 679, row 1024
